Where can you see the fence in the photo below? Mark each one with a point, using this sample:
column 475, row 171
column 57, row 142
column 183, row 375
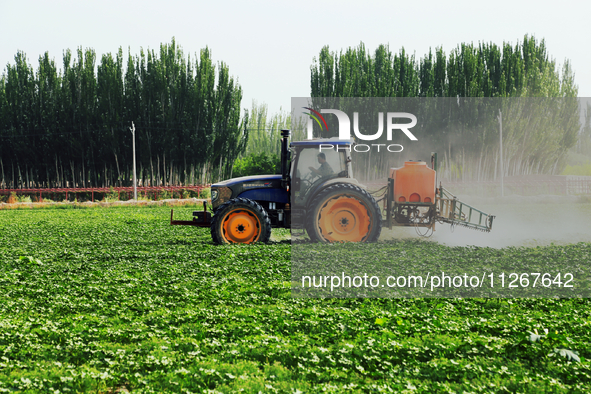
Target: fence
column 146, row 190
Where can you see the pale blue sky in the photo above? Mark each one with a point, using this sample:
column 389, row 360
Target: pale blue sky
column 269, row 45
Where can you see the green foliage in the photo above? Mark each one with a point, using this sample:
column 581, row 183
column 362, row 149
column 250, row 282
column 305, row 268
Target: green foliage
column 485, row 70
column 74, row 123
column 469, row 70
column 205, row 193
column 583, row 146
column 580, row 169
column 264, row 132
column 24, row 198
column 257, row 164
column 98, row 300
column 111, row 196
column 546, row 345
column 164, row 194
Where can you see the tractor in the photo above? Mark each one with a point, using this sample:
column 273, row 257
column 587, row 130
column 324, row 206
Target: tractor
column 326, row 201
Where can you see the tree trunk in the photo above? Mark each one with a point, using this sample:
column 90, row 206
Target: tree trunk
column 20, row 176
column 3, row 185
column 62, row 177
column 118, row 171
column 185, row 173
column 220, row 169
column 151, row 172
column 83, row 177
column 73, row 173
column 57, row 172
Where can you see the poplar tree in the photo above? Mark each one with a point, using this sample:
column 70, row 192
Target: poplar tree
column 69, row 127
column 466, row 133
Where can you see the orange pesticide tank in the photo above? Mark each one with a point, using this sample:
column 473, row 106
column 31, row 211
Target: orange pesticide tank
column 415, row 182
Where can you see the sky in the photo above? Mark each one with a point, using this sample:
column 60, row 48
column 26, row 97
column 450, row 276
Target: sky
column 269, row 46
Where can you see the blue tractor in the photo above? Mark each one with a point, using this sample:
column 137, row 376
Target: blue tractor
column 315, row 191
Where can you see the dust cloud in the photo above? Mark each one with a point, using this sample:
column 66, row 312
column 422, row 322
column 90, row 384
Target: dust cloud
column 519, row 221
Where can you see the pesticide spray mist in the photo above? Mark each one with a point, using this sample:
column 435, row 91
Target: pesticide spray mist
column 519, row 221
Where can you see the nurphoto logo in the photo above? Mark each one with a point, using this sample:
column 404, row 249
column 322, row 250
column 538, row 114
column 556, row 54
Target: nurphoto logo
column 345, row 128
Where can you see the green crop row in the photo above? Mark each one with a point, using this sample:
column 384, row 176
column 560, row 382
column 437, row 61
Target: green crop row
column 98, row 300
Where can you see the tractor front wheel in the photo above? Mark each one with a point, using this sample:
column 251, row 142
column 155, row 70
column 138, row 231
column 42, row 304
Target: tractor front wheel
column 344, row 213
column 241, row 221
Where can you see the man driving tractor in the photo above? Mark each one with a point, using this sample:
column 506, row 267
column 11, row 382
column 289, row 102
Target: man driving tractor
column 324, row 170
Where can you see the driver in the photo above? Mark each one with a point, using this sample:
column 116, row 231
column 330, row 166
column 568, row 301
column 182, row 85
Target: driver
column 324, row 170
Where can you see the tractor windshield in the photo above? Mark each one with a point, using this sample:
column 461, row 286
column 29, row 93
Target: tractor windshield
column 314, row 167
column 313, row 164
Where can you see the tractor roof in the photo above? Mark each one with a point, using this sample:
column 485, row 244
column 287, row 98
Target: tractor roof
column 318, row 141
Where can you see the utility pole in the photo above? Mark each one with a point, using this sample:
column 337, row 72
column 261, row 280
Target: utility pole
column 132, row 128
column 500, row 117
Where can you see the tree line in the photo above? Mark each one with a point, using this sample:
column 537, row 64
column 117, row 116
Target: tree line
column 467, row 140
column 70, row 127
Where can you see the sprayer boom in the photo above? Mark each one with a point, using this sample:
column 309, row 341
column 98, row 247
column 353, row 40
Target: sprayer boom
column 453, row 211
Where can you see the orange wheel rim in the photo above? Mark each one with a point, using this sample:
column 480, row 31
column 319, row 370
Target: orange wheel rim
column 344, row 219
column 241, row 227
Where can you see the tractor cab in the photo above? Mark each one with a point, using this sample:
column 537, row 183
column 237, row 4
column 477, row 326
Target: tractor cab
column 317, row 163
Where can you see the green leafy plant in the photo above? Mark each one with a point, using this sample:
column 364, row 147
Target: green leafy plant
column 111, row 196
column 164, row 194
column 552, row 343
column 205, row 193
column 24, row 198
column 102, row 299
column 256, row 164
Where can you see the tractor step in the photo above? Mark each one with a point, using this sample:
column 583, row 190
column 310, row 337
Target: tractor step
column 200, row 218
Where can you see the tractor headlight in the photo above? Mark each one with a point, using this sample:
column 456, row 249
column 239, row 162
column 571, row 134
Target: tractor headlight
column 220, row 195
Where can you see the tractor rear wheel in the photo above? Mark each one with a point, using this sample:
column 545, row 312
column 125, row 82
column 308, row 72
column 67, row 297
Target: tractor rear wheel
column 344, row 213
column 240, row 221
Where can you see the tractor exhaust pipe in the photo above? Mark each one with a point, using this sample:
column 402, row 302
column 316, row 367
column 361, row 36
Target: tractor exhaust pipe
column 284, row 158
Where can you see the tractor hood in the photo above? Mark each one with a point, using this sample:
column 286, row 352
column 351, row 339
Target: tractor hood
column 258, row 188
column 251, row 182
